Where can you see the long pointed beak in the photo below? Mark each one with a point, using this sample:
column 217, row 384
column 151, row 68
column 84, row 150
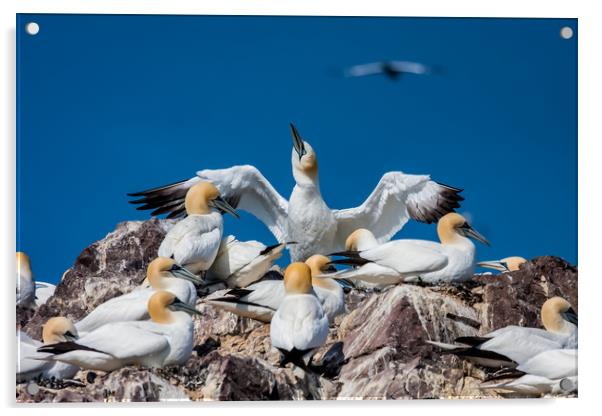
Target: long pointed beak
column 179, row 305
column 182, row 273
column 298, row 142
column 220, row 203
column 570, row 315
column 471, row 232
column 494, row 264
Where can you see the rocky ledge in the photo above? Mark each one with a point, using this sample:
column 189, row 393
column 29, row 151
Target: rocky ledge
column 375, row 351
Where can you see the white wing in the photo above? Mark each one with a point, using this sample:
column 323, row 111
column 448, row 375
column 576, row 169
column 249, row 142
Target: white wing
column 244, row 187
column 406, row 257
column 397, row 198
column 365, row 69
column 26, row 363
column 129, row 307
column 553, row 364
column 233, row 255
column 125, row 340
column 520, row 344
column 411, row 67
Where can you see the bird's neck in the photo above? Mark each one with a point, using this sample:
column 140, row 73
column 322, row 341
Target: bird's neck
column 307, row 180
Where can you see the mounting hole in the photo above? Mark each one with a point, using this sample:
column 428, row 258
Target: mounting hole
column 32, row 28
column 566, row 32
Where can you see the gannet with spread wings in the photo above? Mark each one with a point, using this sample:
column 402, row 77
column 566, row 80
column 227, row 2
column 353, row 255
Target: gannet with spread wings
column 305, row 218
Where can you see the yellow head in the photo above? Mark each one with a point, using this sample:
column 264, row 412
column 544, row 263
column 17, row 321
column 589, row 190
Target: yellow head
column 158, row 307
column 453, row 227
column 297, row 279
column 318, row 265
column 557, row 315
column 360, row 239
column 23, row 264
column 159, row 269
column 58, row 329
column 513, row 263
column 198, row 198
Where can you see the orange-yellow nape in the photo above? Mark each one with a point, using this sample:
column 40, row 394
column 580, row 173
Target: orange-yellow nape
column 157, row 307
column 551, row 312
column 297, row 278
column 54, row 330
column 198, row 196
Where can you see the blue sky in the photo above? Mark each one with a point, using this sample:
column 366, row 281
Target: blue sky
column 115, row 104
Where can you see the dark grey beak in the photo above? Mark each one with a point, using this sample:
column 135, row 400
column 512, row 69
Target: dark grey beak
column 470, row 232
column 570, row 315
column 69, row 336
column 298, row 142
column 182, row 273
column 221, row 204
column 178, row 305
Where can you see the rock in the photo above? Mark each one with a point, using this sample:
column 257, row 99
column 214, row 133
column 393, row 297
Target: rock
column 375, row 351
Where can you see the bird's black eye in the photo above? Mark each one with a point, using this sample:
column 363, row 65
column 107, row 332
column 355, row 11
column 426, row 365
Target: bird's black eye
column 175, row 267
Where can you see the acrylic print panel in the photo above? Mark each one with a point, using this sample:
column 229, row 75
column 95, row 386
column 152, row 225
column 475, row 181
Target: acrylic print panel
column 455, row 139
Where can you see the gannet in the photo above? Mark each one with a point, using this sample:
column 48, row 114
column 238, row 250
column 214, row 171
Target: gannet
column 305, row 218
column 194, row 241
column 240, row 263
column 162, row 274
column 508, row 264
column 26, row 288
column 452, row 260
column 299, row 326
column 29, row 363
column 512, row 345
column 392, row 69
column 260, row 300
column 551, row 371
column 164, row 340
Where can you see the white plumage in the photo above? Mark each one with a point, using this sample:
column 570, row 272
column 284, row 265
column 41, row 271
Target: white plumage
column 305, row 218
column 163, row 274
column 194, row 241
column 299, row 325
column 514, row 345
column 25, row 284
column 452, row 260
column 30, row 365
column 241, row 263
column 166, row 340
column 43, row 292
column 261, row 299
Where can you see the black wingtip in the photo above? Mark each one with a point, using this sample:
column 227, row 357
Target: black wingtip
column 451, row 188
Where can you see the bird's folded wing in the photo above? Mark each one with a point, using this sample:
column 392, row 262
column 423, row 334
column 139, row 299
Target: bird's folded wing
column 553, row 364
column 397, row 198
column 128, row 307
column 198, row 247
column 406, row 257
column 244, row 187
column 125, row 340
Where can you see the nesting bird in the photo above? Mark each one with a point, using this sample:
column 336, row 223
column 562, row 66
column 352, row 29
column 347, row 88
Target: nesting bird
column 299, row 326
column 164, row 340
column 508, row 264
column 241, row 263
column 260, row 300
column 397, row 261
column 512, row 345
column 162, row 274
column 194, row 241
column 29, row 362
column 305, row 218
column 551, row 371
